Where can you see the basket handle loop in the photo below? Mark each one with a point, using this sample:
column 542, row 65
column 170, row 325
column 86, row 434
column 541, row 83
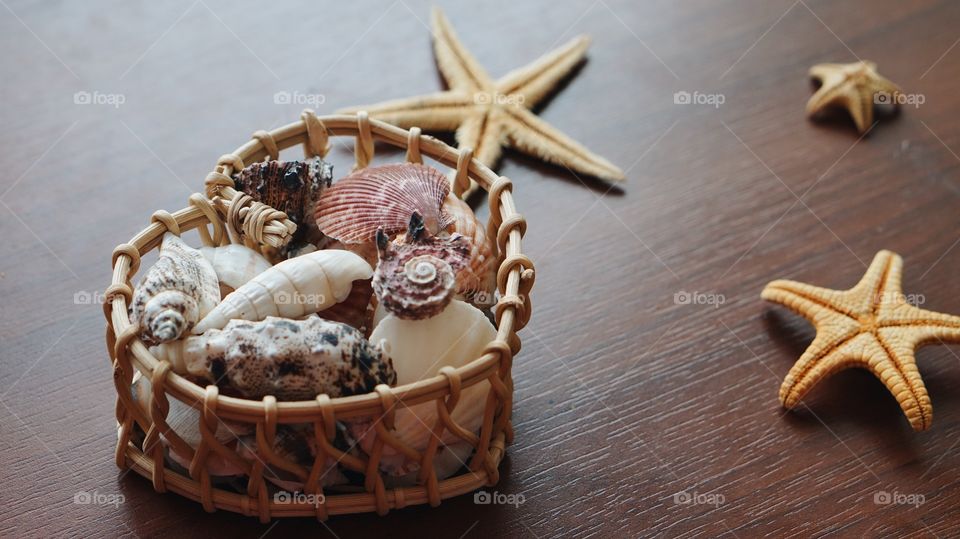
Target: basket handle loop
column 318, row 140
column 461, row 181
column 363, row 150
column 267, row 141
column 413, row 146
column 167, row 220
column 198, row 201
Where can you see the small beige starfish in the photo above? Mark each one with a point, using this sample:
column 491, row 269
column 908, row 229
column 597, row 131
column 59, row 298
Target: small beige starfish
column 488, row 114
column 870, row 326
column 856, row 87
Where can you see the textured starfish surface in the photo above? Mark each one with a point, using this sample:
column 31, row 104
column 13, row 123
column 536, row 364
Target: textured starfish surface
column 870, row 326
column 488, row 114
column 856, row 87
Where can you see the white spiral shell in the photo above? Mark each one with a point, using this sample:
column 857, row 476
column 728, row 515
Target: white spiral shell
column 177, row 291
column 293, row 288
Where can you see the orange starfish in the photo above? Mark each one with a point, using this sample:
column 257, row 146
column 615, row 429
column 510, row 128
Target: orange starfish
column 870, row 326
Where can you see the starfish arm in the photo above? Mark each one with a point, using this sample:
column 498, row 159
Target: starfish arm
column 484, row 134
column 442, row 111
column 896, row 367
column 814, row 303
column 860, row 105
column 920, row 325
column 825, row 97
column 460, row 69
column 880, row 284
column 536, row 80
column 825, row 72
column 833, row 350
column 536, row 137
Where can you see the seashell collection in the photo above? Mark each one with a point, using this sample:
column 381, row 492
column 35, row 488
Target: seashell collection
column 390, row 283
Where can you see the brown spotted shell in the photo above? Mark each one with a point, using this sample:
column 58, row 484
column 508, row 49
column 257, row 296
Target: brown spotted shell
column 289, row 359
column 417, row 280
column 383, row 197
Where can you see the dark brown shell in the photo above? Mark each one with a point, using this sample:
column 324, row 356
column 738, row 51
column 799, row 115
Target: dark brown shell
column 292, row 187
column 383, row 197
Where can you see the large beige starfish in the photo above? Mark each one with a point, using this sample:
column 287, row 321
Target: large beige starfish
column 488, row 114
column 870, row 326
column 856, row 87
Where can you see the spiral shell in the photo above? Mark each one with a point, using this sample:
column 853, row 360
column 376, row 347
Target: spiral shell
column 293, row 288
column 289, row 186
column 416, row 280
column 289, row 359
column 177, row 291
column 383, row 197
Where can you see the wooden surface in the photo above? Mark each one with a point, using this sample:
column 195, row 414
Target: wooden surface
column 626, row 399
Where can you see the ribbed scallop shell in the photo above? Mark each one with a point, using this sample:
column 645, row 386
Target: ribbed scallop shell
column 478, row 280
column 355, row 311
column 417, row 280
column 383, row 197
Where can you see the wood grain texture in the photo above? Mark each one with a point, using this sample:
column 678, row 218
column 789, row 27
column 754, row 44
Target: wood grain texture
column 625, row 398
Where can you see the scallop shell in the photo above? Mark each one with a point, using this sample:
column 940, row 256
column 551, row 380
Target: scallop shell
column 289, row 359
column 177, row 291
column 355, row 311
column 417, row 280
column 383, row 197
column 289, row 186
column 478, row 281
column 235, row 264
column 419, row 349
column 293, row 288
column 402, row 472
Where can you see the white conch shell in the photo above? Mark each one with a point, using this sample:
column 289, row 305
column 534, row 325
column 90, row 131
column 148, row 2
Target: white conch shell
column 235, row 264
column 177, row 291
column 185, row 421
column 447, row 460
column 289, row 359
column 293, row 288
column 419, row 349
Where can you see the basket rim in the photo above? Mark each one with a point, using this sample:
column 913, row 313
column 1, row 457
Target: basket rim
column 514, row 275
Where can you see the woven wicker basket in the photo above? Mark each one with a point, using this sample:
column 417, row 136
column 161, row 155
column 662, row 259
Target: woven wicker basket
column 225, row 215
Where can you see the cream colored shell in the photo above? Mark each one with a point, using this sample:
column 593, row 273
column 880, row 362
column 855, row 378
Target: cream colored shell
column 293, row 288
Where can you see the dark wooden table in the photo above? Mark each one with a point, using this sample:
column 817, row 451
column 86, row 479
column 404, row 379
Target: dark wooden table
column 628, row 401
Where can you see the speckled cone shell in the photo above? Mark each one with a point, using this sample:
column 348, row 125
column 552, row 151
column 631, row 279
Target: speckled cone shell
column 293, row 288
column 383, row 197
column 289, row 359
column 478, row 280
column 419, row 349
column 235, row 264
column 177, row 291
column 417, row 280
column 292, row 187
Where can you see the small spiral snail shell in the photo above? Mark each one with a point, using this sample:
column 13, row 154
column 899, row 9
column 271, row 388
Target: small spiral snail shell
column 417, row 279
column 177, row 291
